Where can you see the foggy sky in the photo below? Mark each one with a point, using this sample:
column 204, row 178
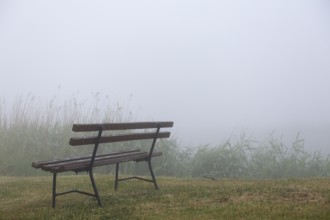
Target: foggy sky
column 213, row 67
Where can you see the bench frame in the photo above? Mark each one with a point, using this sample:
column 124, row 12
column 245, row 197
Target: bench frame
column 86, row 164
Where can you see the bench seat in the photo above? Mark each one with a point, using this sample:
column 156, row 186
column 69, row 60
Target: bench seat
column 79, row 164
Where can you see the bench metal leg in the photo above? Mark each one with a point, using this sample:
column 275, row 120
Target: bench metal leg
column 116, row 178
column 94, row 187
column 54, row 194
column 54, row 190
column 153, row 175
column 135, row 177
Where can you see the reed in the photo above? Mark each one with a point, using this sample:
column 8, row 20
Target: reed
column 32, row 130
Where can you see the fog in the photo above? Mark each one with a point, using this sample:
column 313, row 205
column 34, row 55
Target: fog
column 215, row 68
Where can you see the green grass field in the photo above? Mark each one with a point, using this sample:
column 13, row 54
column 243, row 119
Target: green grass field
column 178, row 198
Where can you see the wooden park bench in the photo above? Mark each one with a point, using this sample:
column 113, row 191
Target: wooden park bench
column 150, row 130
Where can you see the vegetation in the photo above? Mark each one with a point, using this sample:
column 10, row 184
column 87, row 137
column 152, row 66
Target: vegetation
column 267, row 159
column 178, row 198
column 228, row 181
column 32, row 131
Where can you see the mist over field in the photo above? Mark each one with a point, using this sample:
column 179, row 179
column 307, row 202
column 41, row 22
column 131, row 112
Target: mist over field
column 216, row 68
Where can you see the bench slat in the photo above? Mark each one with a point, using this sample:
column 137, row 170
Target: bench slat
column 104, row 161
column 41, row 163
column 121, row 126
column 126, row 137
column 101, row 160
column 88, row 160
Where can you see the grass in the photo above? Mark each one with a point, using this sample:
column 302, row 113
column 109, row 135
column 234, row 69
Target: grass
column 178, row 198
column 32, row 130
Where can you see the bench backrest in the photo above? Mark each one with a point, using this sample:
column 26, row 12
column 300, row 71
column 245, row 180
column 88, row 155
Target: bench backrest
column 117, row 137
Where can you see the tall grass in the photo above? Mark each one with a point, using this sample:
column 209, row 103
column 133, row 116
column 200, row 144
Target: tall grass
column 32, row 130
column 271, row 158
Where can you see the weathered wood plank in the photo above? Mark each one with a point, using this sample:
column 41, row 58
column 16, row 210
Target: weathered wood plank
column 116, row 138
column 100, row 160
column 121, row 126
column 49, row 162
